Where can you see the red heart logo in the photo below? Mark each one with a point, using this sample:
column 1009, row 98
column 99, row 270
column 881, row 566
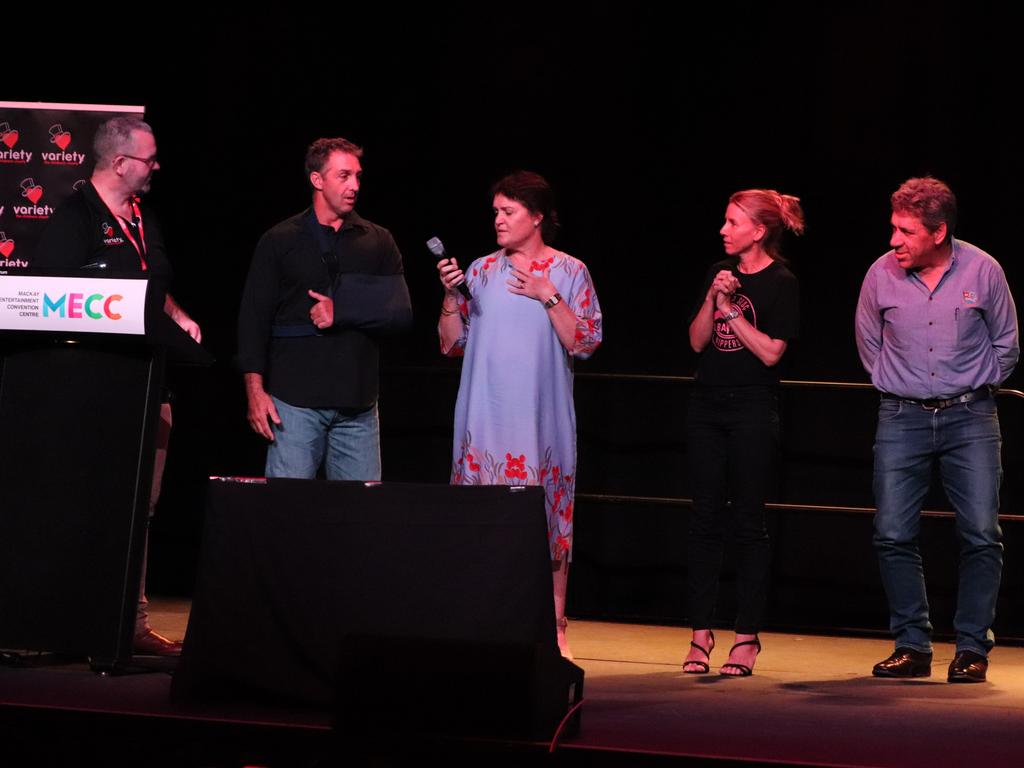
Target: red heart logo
column 10, row 139
column 62, row 140
column 34, row 193
column 6, row 248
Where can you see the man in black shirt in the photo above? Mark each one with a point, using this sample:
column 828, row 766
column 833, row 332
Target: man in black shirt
column 104, row 225
column 322, row 285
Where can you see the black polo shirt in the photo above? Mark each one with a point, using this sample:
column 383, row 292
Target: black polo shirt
column 84, row 231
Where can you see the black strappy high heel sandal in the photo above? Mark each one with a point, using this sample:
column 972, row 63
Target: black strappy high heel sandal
column 744, row 670
column 704, row 665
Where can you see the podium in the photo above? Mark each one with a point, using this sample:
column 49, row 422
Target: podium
column 81, row 375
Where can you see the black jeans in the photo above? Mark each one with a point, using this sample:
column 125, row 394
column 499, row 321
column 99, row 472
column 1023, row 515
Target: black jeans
column 732, row 444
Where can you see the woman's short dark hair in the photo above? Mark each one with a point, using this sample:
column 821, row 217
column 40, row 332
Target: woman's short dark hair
column 533, row 191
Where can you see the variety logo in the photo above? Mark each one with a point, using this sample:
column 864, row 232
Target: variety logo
column 8, row 138
column 6, row 249
column 8, row 135
column 110, row 237
column 33, row 193
column 59, row 136
column 31, row 190
column 78, row 306
column 6, row 244
column 62, row 139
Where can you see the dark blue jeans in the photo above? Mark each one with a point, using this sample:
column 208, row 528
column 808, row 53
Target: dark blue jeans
column 732, row 445
column 965, row 440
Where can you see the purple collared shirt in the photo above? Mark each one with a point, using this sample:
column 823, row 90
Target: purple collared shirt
column 925, row 344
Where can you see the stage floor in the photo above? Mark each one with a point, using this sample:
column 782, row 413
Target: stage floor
column 811, row 701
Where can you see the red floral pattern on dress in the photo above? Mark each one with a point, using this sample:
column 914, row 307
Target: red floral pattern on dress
column 478, row 467
column 514, row 469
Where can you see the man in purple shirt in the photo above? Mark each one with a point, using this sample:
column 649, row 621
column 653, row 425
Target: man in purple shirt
column 937, row 330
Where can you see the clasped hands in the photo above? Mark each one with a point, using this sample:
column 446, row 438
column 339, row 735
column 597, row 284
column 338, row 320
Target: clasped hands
column 723, row 287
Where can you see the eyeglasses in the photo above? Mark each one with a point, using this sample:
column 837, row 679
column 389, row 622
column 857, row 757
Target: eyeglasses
column 149, row 161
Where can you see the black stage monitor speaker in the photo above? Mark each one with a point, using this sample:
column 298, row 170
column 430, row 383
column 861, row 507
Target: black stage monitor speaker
column 412, row 686
column 297, row 575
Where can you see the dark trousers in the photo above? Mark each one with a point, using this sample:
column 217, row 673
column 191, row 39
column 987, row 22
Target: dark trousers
column 732, row 444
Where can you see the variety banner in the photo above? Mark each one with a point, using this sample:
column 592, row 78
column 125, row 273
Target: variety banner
column 45, row 154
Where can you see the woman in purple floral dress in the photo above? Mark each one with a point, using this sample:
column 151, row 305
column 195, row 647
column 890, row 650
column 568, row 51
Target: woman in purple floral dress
column 533, row 309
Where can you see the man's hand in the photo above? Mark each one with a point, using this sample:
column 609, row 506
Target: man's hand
column 191, row 327
column 322, row 313
column 180, row 316
column 261, row 407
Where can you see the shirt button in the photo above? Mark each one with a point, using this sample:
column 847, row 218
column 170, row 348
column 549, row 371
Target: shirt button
column 931, row 349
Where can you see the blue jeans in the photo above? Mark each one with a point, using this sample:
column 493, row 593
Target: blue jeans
column 965, row 441
column 350, row 441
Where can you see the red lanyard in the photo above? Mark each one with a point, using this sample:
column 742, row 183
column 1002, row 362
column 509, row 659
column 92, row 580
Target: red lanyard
column 140, row 246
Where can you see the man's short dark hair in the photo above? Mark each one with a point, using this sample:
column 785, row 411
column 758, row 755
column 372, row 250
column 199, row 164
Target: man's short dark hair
column 114, row 137
column 321, row 149
column 930, row 200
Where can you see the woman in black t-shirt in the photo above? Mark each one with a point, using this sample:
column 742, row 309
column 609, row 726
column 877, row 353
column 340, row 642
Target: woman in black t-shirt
column 747, row 314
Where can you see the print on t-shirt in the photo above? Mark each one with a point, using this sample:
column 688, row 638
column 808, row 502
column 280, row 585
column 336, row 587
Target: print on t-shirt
column 724, row 338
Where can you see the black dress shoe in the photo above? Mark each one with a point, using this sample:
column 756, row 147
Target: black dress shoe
column 905, row 662
column 968, row 667
column 150, row 643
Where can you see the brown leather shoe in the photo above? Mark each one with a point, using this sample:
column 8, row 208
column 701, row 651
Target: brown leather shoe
column 149, row 643
column 905, row 662
column 968, row 667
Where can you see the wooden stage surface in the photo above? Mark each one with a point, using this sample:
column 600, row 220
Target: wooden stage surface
column 811, row 701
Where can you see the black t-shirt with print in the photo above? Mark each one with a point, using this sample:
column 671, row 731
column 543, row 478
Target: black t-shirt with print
column 770, row 301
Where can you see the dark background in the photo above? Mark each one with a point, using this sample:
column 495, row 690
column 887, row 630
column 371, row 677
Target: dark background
column 644, row 120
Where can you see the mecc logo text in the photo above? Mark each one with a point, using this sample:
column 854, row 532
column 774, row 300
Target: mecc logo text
column 73, row 305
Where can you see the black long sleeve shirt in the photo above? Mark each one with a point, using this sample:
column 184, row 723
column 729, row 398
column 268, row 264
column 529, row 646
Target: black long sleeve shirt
column 337, row 368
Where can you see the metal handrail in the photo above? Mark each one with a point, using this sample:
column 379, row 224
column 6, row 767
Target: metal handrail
column 668, row 378
column 674, row 501
column 799, row 383
column 683, row 502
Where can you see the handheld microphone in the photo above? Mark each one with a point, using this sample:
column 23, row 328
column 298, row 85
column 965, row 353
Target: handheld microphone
column 436, row 247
